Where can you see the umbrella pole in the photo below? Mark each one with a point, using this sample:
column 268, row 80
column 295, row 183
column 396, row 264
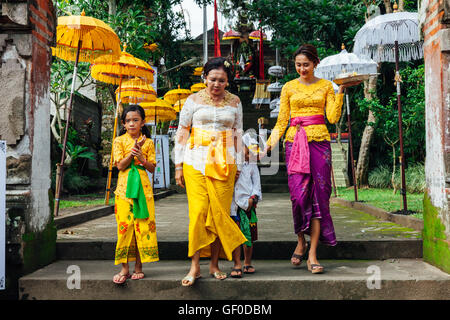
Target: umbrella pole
column 116, row 117
column 60, row 166
column 154, row 140
column 400, row 128
column 162, row 157
column 350, row 142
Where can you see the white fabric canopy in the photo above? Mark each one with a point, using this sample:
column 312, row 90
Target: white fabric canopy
column 376, row 38
column 333, row 65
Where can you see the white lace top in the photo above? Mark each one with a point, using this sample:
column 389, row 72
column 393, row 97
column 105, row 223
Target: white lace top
column 196, row 113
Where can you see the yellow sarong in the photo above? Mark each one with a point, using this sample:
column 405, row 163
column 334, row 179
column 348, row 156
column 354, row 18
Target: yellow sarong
column 209, row 198
column 132, row 232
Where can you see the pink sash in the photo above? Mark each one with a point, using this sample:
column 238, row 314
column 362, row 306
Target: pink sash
column 299, row 160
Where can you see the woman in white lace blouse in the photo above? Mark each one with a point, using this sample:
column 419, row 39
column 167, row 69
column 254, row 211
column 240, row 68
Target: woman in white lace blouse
column 207, row 162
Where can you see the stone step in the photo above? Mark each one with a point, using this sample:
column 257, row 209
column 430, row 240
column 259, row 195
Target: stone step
column 176, row 250
column 274, row 279
column 274, row 188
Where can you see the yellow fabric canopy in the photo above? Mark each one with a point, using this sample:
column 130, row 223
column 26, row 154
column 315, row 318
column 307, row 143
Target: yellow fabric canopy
column 178, row 105
column 135, row 91
column 94, row 36
column 159, row 108
column 176, row 94
column 198, row 86
column 126, row 67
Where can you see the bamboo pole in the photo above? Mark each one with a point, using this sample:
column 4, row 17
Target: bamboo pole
column 116, row 118
column 60, row 166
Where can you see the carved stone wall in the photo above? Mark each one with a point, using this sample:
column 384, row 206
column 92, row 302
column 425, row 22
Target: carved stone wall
column 27, row 31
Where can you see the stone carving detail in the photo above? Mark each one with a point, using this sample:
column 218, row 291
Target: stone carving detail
column 12, row 93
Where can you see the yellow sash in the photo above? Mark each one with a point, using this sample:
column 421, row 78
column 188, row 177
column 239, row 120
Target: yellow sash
column 216, row 161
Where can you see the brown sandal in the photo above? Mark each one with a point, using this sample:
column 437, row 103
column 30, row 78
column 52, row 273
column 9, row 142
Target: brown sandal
column 314, row 268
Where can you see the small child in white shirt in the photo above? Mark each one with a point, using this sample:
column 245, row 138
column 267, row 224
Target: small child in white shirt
column 247, row 193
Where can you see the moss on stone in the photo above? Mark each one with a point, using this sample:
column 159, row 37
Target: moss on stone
column 436, row 246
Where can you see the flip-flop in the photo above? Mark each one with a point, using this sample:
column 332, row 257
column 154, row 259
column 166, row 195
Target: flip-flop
column 236, row 275
column 248, row 267
column 218, row 275
column 136, row 275
column 121, row 276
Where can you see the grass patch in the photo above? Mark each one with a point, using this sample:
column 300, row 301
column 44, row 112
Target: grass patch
column 85, row 200
column 384, row 199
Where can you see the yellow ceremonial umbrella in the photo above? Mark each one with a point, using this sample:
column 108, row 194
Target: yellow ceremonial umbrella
column 179, row 104
column 176, row 94
column 114, row 72
column 135, row 91
column 159, row 110
column 198, row 71
column 80, row 38
column 152, row 47
column 198, row 86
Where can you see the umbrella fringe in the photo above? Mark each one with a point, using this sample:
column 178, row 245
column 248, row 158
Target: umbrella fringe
column 386, row 53
column 86, row 55
column 111, row 73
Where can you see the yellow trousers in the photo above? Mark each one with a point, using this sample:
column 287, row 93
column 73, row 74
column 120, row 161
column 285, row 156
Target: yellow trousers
column 133, row 232
column 209, row 203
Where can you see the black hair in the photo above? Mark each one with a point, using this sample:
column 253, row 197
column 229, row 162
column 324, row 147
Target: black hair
column 309, row 51
column 141, row 111
column 219, row 63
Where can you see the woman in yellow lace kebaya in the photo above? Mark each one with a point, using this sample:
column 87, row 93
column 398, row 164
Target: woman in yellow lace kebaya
column 305, row 101
column 207, row 161
column 133, row 154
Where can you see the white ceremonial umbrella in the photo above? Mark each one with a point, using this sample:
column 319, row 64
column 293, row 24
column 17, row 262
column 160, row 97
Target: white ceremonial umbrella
column 344, row 62
column 392, row 37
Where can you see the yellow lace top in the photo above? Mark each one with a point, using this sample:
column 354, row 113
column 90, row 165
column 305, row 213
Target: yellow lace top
column 300, row 100
column 122, row 146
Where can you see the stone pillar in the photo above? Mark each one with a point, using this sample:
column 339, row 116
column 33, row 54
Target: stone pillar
column 27, row 30
column 435, row 21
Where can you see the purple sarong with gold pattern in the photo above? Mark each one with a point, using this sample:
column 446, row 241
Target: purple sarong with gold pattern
column 310, row 193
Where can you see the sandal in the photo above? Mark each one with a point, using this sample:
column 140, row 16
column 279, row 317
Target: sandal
column 137, row 275
column 218, row 275
column 314, row 268
column 124, row 278
column 300, row 257
column 236, row 275
column 190, row 279
column 248, row 267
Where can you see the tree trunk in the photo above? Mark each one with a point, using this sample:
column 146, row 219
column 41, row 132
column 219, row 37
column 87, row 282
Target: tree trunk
column 112, row 7
column 363, row 157
column 387, row 5
column 401, row 5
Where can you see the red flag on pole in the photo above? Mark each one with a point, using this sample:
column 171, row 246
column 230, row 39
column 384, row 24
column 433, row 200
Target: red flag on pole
column 217, row 52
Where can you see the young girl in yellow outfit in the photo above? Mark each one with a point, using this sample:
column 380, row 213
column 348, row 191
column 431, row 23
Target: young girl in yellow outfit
column 133, row 153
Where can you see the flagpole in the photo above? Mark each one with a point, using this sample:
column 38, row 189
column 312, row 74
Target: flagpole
column 205, row 35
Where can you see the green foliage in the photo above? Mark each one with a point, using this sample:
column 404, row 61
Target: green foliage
column 323, row 23
column 413, row 115
column 380, row 177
